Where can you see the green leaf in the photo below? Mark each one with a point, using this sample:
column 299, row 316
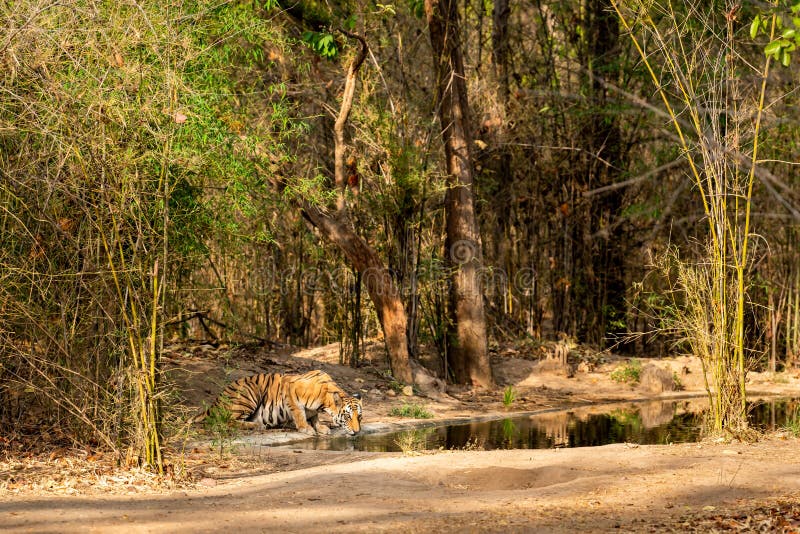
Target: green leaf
column 796, row 22
column 785, row 58
column 417, row 7
column 322, row 43
column 386, row 8
column 772, row 48
column 788, row 33
column 754, row 26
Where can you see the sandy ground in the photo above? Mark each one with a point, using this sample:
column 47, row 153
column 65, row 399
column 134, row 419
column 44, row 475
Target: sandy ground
column 703, row 487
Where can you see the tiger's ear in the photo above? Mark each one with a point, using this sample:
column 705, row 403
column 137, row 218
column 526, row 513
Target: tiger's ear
column 357, row 396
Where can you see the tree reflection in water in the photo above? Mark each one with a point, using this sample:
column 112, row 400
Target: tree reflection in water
column 648, row 423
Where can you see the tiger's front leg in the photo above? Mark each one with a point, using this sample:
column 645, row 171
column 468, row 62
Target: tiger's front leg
column 299, row 416
column 317, row 424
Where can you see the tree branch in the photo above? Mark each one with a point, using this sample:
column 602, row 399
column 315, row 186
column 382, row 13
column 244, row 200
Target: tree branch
column 340, row 176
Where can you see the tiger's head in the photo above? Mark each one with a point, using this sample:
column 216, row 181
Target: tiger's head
column 349, row 416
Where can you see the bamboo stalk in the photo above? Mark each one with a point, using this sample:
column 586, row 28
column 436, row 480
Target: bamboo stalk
column 719, row 184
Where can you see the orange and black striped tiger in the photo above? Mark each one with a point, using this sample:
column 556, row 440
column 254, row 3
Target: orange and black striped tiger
column 270, row 400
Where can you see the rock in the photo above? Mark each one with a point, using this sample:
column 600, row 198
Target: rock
column 426, row 381
column 408, row 391
column 391, row 393
column 556, row 367
column 655, row 379
column 585, row 367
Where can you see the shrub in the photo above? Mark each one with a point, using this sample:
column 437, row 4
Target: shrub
column 413, row 441
column 509, row 395
column 628, row 373
column 219, row 424
column 416, row 411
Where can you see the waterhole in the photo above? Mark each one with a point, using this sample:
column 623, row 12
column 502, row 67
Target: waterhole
column 645, row 423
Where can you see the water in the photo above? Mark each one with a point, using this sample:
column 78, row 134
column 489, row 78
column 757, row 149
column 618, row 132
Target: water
column 648, row 423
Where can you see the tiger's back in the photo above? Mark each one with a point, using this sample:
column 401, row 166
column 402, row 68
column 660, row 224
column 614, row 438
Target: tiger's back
column 247, row 398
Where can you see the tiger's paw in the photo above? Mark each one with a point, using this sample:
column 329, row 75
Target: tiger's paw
column 307, row 430
column 323, row 430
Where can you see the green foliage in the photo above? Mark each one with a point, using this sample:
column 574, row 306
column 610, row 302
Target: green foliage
column 322, row 43
column 677, row 381
column 793, row 423
column 615, row 319
column 219, row 424
column 416, row 411
column 627, row 373
column 417, row 8
column 139, row 124
column 394, row 385
column 509, row 395
column 312, row 189
column 786, row 25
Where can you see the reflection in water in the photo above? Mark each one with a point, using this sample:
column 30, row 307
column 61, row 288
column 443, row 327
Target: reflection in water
column 555, row 427
column 655, row 414
column 657, row 422
column 509, row 431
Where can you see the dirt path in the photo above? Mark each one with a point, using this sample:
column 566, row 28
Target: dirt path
column 611, row 488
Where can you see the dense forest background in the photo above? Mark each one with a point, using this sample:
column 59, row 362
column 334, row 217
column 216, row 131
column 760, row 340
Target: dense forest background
column 187, row 171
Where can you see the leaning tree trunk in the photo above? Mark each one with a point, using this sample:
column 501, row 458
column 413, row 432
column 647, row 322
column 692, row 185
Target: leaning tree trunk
column 467, row 346
column 381, row 287
column 337, row 227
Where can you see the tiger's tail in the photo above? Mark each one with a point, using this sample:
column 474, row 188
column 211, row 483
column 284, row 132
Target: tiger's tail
column 199, row 418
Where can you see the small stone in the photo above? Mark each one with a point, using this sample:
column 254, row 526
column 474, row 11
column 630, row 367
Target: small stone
column 709, row 508
column 729, row 451
column 391, row 393
column 408, row 391
column 359, row 380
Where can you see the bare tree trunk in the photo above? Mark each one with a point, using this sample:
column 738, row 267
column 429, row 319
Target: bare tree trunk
column 500, row 15
column 467, row 345
column 338, row 229
column 500, row 160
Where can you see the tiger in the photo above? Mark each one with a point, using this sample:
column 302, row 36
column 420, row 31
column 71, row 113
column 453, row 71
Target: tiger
column 270, row 400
